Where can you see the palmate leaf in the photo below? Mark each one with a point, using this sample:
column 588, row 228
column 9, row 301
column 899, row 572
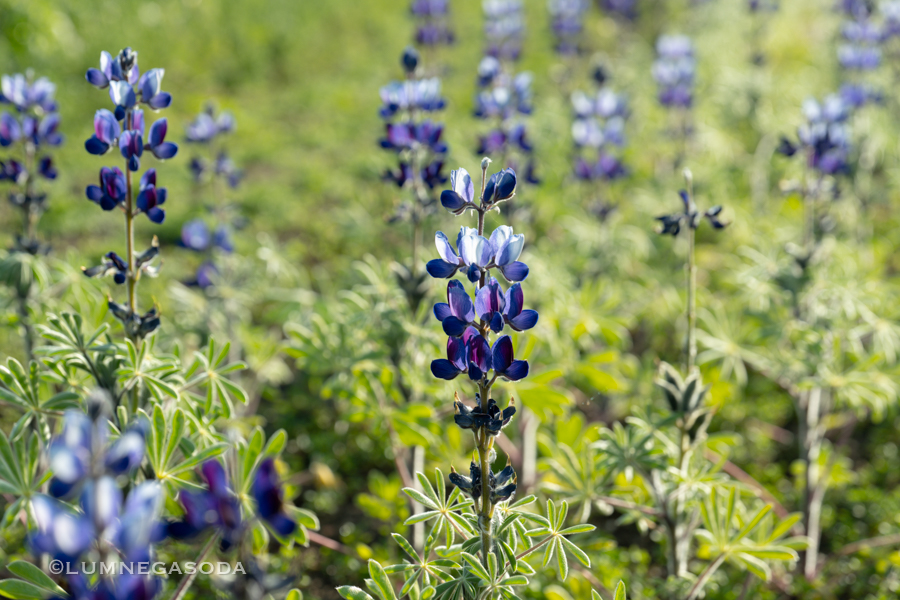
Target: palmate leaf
column 209, row 370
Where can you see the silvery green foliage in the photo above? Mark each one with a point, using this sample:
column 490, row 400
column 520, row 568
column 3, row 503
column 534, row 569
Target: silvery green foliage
column 658, row 471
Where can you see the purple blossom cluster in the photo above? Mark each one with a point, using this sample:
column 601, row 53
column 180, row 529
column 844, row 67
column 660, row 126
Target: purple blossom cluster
column 471, row 323
column 504, row 28
column 124, row 128
column 197, row 235
column 28, row 130
column 501, row 99
column 432, row 27
column 674, row 71
column 218, row 507
column 567, row 24
column 626, row 9
column 598, row 133
column 207, row 132
column 85, row 466
column 825, row 137
column 861, row 50
column 412, row 135
column 208, row 129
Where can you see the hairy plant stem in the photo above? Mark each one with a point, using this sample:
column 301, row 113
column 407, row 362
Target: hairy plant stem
column 704, row 577
column 185, row 584
column 690, row 352
column 485, row 440
column 129, row 232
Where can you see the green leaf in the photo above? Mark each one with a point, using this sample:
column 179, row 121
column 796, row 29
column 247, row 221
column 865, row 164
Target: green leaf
column 420, row 498
column 476, row 567
column 199, row 457
column 381, row 581
column 620, row 591
column 561, row 561
column 35, row 575
column 407, row 547
column 307, row 518
column 22, row 590
column 753, row 523
column 275, row 444
column 61, row 401
column 516, row 580
column 583, row 528
column 579, row 554
column 353, row 593
column 296, row 594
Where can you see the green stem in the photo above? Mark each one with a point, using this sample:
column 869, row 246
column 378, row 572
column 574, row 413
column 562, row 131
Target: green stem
column 189, row 579
column 704, row 577
column 691, row 275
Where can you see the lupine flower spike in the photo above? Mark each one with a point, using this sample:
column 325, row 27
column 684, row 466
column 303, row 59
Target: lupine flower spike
column 124, row 128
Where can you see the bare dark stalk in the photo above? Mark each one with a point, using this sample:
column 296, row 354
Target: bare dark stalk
column 185, row 584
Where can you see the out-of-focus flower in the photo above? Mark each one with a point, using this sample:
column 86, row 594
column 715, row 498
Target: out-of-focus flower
column 674, row 70
column 269, row 496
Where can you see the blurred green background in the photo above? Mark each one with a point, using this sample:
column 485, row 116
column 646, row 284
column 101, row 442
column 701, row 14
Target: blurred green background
column 302, row 79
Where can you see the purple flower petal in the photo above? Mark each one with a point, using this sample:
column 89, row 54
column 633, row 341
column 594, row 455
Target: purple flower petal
column 502, row 353
column 516, row 271
column 96, row 78
column 165, row 151
column 439, row 269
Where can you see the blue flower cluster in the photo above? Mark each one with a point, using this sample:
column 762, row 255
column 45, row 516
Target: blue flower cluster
column 205, row 130
column 470, row 324
column 625, row 9
column 411, row 134
column 504, row 28
column 861, row 50
column 125, row 128
column 674, row 71
column 598, row 133
column 432, row 28
column 218, row 507
column 85, row 465
column 29, row 131
column 825, row 137
column 567, row 24
column 501, row 98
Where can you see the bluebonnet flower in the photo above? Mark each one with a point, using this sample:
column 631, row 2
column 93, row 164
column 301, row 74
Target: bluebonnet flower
column 500, row 99
column 206, row 128
column 626, row 9
column 217, row 506
column 690, row 217
column 478, row 254
column 151, row 197
column 83, row 448
column 890, row 12
column 126, row 128
column 423, row 95
column 111, row 191
column 567, row 24
column 674, row 70
column 33, row 125
column 503, row 484
column 470, row 326
column 114, row 265
column 84, row 466
column 26, row 95
column 269, row 496
column 598, row 132
column 414, row 136
column 432, row 28
column 825, row 138
column 491, row 418
column 504, row 28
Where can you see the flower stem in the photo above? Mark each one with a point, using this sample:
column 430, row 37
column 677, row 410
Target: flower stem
column 691, row 344
column 129, row 234
column 185, row 584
